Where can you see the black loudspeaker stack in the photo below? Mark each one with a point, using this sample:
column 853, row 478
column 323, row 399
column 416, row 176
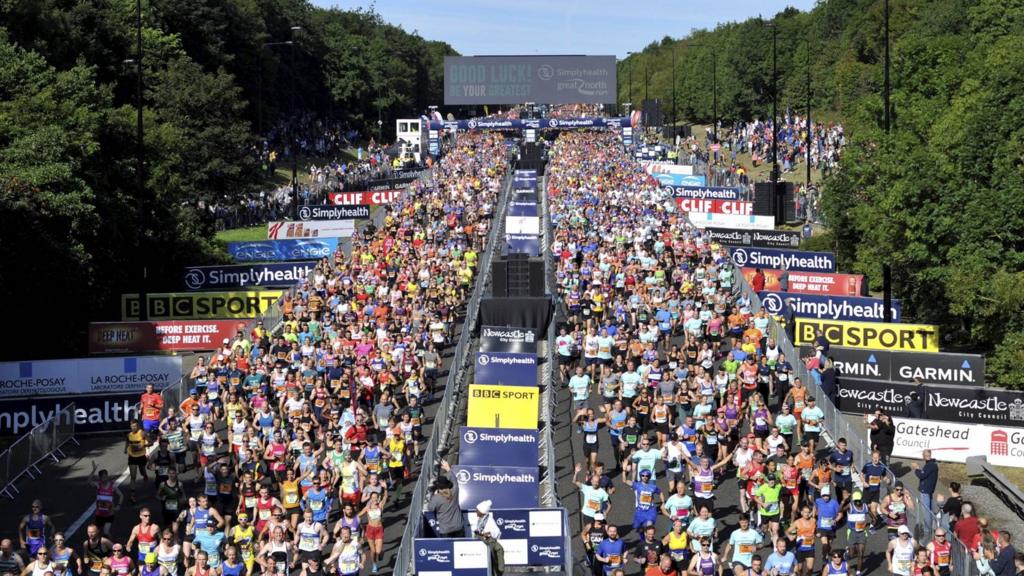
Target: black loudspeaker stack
column 517, row 276
column 775, row 200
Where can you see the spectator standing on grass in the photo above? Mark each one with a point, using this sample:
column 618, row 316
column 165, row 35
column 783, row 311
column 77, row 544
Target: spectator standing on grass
column 927, row 477
column 967, row 528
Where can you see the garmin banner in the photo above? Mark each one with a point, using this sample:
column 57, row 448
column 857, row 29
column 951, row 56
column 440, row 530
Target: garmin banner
column 473, row 80
column 788, row 259
column 530, row 537
column 505, row 368
column 930, row 367
column 451, row 557
column 334, row 212
column 497, row 446
column 97, row 376
column 390, row 183
column 246, row 275
column 828, row 307
column 523, row 244
column 704, row 193
column 504, row 486
column 277, row 250
column 507, row 339
column 754, row 238
column 108, row 412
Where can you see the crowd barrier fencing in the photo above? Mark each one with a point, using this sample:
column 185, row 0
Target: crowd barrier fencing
column 453, row 392
column 838, row 425
column 45, row 442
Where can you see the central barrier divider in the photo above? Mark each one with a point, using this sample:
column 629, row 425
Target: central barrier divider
column 454, row 390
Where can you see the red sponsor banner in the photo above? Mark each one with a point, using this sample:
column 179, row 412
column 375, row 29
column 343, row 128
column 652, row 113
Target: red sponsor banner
column 736, row 207
column 812, row 282
column 165, row 335
column 375, row 198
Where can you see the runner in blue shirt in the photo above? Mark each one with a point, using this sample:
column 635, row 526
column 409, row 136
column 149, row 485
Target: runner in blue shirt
column 645, row 492
column 611, row 552
column 781, row 560
column 826, row 510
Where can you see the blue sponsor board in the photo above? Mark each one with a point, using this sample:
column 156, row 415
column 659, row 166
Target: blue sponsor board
column 829, row 307
column 246, row 275
column 492, row 446
column 680, row 179
column 451, row 556
column 278, row 250
column 504, row 486
column 522, row 208
column 775, row 259
column 507, row 368
column 702, row 192
column 536, row 124
column 93, row 412
column 530, row 537
column 523, row 244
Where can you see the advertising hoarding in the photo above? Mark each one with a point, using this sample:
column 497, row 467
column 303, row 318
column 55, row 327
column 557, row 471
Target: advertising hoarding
column 473, row 80
column 871, row 335
column 281, row 250
column 163, row 336
column 200, row 305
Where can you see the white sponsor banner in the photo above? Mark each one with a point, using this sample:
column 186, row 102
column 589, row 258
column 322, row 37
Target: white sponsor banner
column 87, row 376
column 522, row 225
column 955, row 441
column 662, row 168
column 751, row 222
column 317, row 229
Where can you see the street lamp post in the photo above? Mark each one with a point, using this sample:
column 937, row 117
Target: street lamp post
column 140, row 163
column 630, row 77
column 775, row 105
column 807, row 142
column 886, row 267
column 259, row 83
column 294, row 147
column 673, row 90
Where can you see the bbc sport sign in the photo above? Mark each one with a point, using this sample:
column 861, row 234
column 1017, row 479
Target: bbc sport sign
column 874, row 336
column 504, row 486
column 506, row 368
column 828, row 307
column 87, row 376
column 506, row 407
column 246, row 275
column 788, row 259
column 199, row 305
column 278, row 250
column 495, row 446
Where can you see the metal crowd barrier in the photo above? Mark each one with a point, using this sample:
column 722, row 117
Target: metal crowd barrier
column 44, row 442
column 549, row 378
column 838, row 425
column 452, row 395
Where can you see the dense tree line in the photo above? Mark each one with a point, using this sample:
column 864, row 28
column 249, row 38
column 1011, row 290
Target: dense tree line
column 939, row 198
column 76, row 231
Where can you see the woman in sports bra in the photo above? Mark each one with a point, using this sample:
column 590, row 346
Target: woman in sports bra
column 65, row 559
column 374, row 528
column 232, row 565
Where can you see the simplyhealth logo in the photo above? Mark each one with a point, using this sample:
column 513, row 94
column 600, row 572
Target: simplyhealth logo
column 464, row 476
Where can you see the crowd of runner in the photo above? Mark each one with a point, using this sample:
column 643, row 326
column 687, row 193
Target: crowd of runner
column 301, row 441
column 668, row 365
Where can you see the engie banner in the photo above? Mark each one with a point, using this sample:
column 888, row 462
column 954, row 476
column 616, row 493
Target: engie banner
column 930, row 367
column 504, row 486
column 737, row 207
column 828, row 307
column 200, row 305
column 871, row 335
column 246, row 275
column 754, row 238
column 168, row 335
column 93, row 412
column 277, row 250
column 506, row 339
column 663, row 168
column 451, row 557
column 530, row 537
column 752, row 222
column 955, row 441
column 790, row 259
column 704, row 192
column 680, row 179
column 314, row 229
column 334, row 212
column 505, row 368
column 812, row 283
column 364, row 198
column 494, row 446
column 87, row 375
column 506, row 407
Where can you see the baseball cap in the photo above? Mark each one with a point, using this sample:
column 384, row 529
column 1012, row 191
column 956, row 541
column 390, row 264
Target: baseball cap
column 903, row 529
column 826, row 490
column 857, row 495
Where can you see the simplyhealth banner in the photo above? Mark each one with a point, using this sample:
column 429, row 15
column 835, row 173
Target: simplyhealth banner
column 504, row 486
column 232, row 276
column 472, row 80
column 829, row 307
column 790, row 259
column 495, row 446
column 277, row 250
column 505, row 368
column 87, row 375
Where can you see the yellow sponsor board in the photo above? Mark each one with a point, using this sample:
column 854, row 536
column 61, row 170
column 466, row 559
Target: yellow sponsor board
column 496, row 406
column 870, row 335
column 199, row 305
